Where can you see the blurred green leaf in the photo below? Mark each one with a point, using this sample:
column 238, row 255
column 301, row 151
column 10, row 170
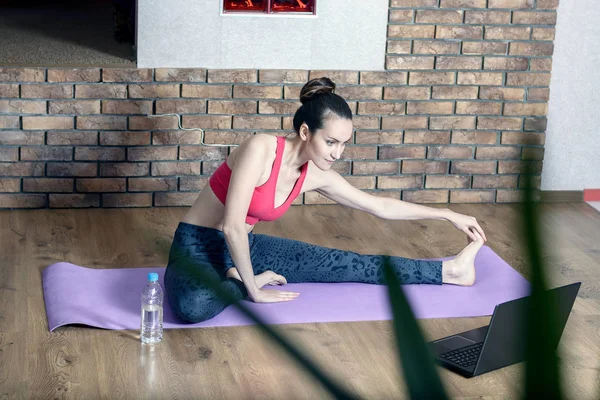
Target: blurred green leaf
column 542, row 378
column 416, row 360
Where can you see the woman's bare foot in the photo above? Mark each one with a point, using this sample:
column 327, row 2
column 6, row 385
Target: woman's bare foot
column 461, row 269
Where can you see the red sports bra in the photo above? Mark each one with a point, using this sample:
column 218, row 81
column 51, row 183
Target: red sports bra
column 262, row 205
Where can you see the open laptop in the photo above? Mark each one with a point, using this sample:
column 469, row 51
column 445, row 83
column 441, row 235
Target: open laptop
column 502, row 342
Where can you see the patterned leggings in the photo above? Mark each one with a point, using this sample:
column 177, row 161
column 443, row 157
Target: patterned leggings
column 199, row 247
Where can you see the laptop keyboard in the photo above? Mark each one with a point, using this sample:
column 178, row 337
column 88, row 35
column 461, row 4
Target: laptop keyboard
column 465, row 356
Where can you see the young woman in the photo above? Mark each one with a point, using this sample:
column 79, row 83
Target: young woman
column 258, row 182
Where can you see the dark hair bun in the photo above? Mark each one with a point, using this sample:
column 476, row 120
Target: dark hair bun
column 314, row 87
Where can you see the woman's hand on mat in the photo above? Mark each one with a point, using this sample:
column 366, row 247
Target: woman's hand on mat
column 269, row 278
column 467, row 224
column 272, row 296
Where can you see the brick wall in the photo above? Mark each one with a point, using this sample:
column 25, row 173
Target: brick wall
column 458, row 116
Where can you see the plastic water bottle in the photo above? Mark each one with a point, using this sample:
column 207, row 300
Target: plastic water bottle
column 151, row 330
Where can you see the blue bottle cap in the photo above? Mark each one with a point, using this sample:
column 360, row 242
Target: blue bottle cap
column 152, row 276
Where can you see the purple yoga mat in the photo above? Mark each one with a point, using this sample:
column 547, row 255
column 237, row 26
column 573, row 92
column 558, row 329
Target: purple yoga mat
column 111, row 298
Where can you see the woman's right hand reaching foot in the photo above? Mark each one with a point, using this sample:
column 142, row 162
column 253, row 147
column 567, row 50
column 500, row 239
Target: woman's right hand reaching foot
column 272, row 296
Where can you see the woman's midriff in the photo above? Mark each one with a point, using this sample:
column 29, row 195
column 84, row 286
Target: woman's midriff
column 208, row 211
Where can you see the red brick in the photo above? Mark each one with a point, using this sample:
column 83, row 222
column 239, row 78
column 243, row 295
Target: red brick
column 10, row 123
column 362, row 182
column 401, row 122
column 400, row 182
column 394, row 152
column 413, row 3
column 180, row 75
column 446, row 182
column 379, row 137
column 540, row 64
column 257, row 92
column 535, row 124
column 225, row 137
column 532, row 153
column 531, row 49
column 512, row 167
column 510, row 3
column 124, row 169
column 506, row 63
column 494, row 182
column 430, row 107
column 22, row 201
column 359, row 153
column 100, row 185
column 471, row 196
column 100, row 122
column 383, row 78
column 424, row 167
column 487, row 17
column 152, row 153
column 9, row 90
column 479, row 78
column 507, row 33
column 21, row 169
column 478, row 107
column 497, row 153
column 431, row 78
column 499, row 123
column 454, row 92
column 534, row 18
column 473, row 167
column 167, row 199
column 375, row 167
column 152, row 184
column 71, row 169
column 547, row 4
column 74, row 200
column 474, row 137
column 8, row 74
column 523, row 138
column 256, row 122
column 188, row 183
column 339, row 77
column 127, row 138
column 359, row 92
column 425, row 196
column 278, row 107
column 231, row 75
column 408, row 62
column 21, row 137
column 180, row 106
column 484, row 48
column 501, row 93
column 282, row 76
column 206, row 91
column 462, row 4
column 99, row 153
column 401, row 15
column 232, row 107
column 439, row 16
column 527, row 79
column 406, row 93
column 45, row 123
column 153, row 90
column 175, row 168
column 435, row 47
column 543, row 33
column 73, row 138
column 22, row 107
column 459, row 32
column 47, row 153
column 126, row 75
column 452, row 123
column 127, row 200
column 535, row 181
column 12, row 185
column 177, row 137
column 426, row 137
column 206, row 122
column 9, row 154
column 526, row 109
column 48, row 185
column 202, row 153
column 47, row 91
column 100, row 91
column 410, row 31
column 398, row 47
column 73, row 107
column 383, row 108
column 451, row 152
column 126, row 107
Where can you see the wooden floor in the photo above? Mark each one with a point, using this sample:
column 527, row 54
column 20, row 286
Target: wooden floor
column 80, row 362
